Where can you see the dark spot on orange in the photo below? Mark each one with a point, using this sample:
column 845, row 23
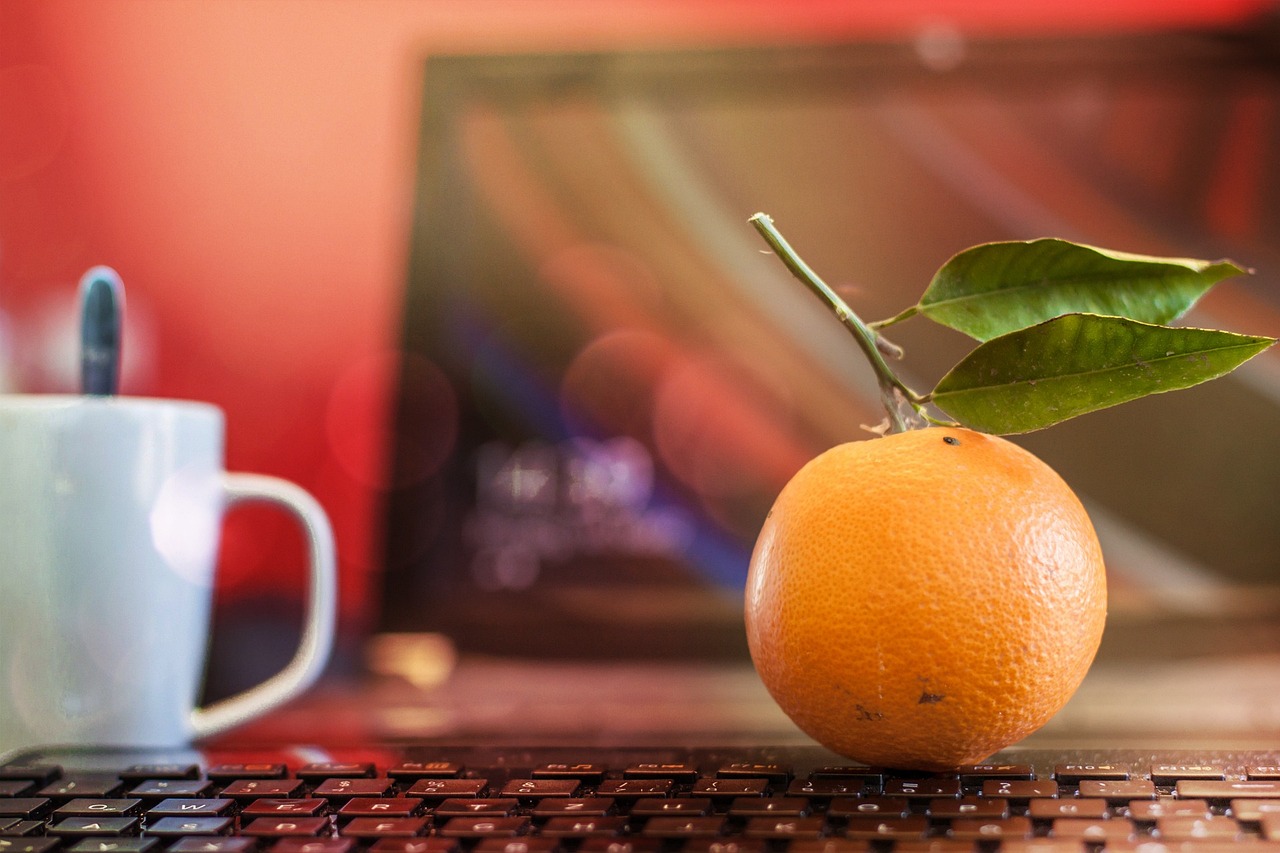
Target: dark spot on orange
column 950, row 439
column 930, row 698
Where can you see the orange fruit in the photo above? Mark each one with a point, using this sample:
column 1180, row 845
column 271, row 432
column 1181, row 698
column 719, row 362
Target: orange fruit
column 924, row 599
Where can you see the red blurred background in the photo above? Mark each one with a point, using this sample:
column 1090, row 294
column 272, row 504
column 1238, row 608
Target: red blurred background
column 246, row 165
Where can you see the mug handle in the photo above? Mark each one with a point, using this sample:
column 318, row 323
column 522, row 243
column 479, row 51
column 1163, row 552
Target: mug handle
column 318, row 628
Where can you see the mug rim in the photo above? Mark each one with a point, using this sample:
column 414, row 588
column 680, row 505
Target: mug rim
column 33, row 401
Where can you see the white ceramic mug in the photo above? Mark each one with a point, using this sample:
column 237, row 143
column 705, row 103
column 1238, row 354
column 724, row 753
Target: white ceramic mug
column 110, row 516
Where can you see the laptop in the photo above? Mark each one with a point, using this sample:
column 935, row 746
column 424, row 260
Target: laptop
column 606, row 379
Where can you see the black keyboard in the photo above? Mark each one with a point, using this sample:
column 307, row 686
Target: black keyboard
column 469, row 800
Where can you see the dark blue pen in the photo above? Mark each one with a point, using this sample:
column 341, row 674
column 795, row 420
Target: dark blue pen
column 101, row 324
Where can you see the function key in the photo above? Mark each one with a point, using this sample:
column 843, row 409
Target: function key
column 41, row 774
column 775, row 773
column 141, row 772
column 1071, row 774
column 232, row 772
column 977, row 773
column 871, row 775
column 413, row 770
column 321, row 770
column 582, row 772
column 676, row 772
column 1170, row 774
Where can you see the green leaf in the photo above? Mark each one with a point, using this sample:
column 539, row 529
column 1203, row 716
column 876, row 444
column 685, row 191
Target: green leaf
column 996, row 288
column 1036, row 377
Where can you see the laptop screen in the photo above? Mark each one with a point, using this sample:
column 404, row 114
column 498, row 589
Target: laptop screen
column 606, row 378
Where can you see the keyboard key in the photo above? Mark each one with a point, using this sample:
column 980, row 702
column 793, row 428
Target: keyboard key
column 1051, row 809
column 179, row 806
column 313, row 845
column 1094, row 831
column 483, row 827
column 922, row 789
column 1118, row 791
column 85, row 785
column 283, row 827
column 524, row 844
column 1263, row 771
column 976, row 774
column 17, row 827
column 586, row 773
column 1212, row 827
column 381, row 807
column 40, row 774
column 224, row 773
column 321, row 770
column 82, row 826
column 573, row 807
column 445, row 789
column 28, row 845
column 158, row 789
column 674, row 771
column 415, row 845
column 1019, row 790
column 991, row 829
column 1169, row 774
column 784, row 828
column 203, row 825
column 825, row 788
column 946, row 808
column 846, row 807
column 344, row 788
column 887, row 828
column 113, row 845
column 766, row 806
column 776, row 774
column 489, row 807
column 207, row 844
column 1073, row 774
column 654, row 807
column 16, row 788
column 142, row 772
column 253, row 789
column 385, row 827
column 683, row 827
column 724, row 790
column 407, row 771
column 1148, row 811
column 1214, row 790
column 25, row 806
column 285, row 808
column 1252, row 811
column 537, row 789
column 633, row 788
column 104, row 807
column 868, row 775
column 584, row 827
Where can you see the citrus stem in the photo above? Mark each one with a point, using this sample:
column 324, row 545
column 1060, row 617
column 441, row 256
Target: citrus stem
column 892, row 390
